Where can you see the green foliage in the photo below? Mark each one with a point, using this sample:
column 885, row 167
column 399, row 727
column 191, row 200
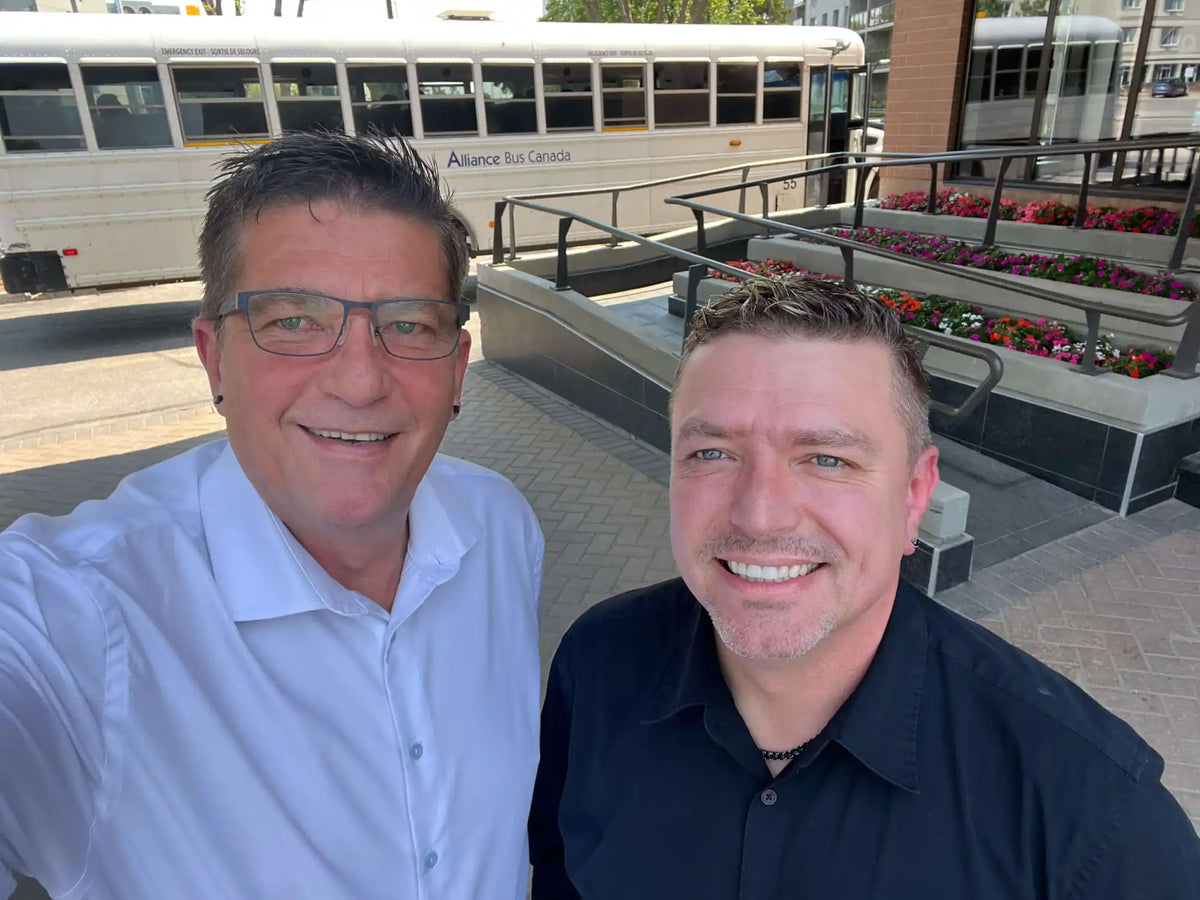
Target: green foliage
column 720, row 12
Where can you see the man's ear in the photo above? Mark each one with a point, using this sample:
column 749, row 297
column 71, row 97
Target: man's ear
column 207, row 337
column 921, row 482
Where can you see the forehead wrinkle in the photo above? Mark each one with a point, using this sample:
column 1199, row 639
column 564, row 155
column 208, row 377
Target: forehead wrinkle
column 835, row 436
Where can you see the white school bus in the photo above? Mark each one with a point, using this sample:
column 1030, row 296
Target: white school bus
column 111, row 126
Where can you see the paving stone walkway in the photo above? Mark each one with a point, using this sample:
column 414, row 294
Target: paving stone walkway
column 1114, row 606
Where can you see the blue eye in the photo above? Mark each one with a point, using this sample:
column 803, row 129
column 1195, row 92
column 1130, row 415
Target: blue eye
column 710, row 455
column 828, row 462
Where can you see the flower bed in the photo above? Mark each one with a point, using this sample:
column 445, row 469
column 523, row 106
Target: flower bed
column 1041, row 337
column 1139, row 220
column 1089, row 271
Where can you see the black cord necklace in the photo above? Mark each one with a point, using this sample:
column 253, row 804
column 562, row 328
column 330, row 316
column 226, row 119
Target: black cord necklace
column 782, row 754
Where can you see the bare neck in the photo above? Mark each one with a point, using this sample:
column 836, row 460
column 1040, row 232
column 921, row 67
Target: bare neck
column 785, row 703
column 369, row 563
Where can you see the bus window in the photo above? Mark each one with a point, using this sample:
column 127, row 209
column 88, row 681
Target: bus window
column 379, row 95
column 623, row 89
column 979, row 78
column 307, row 96
column 1033, row 62
column 1074, row 82
column 509, row 102
column 737, row 87
column 680, row 93
column 1008, row 73
column 220, row 102
column 782, row 91
column 447, row 93
column 126, row 105
column 37, row 108
column 568, row 94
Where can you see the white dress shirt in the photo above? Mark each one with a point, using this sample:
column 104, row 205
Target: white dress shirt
column 191, row 707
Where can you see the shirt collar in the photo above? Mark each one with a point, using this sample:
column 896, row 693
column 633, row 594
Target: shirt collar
column 263, row 572
column 878, row 724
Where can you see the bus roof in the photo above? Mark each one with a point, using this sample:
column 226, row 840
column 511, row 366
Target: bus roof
column 73, row 37
column 1012, row 30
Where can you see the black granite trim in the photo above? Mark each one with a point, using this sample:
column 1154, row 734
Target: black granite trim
column 1158, row 460
column 1137, row 504
column 1188, row 488
column 967, row 431
column 954, row 565
column 917, row 567
column 651, row 271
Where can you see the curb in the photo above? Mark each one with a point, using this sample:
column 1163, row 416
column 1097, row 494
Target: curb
column 49, row 436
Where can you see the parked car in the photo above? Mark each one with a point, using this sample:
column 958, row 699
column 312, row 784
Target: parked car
column 1169, row 87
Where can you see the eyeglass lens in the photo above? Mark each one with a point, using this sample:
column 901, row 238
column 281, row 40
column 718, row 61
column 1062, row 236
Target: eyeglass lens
column 298, row 324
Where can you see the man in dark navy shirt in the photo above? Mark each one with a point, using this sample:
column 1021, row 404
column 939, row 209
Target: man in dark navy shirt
column 787, row 720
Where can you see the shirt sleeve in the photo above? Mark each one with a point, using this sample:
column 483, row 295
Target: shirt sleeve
column 53, row 652
column 1149, row 851
column 550, row 881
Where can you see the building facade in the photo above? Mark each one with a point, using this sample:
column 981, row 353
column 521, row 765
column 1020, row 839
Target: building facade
column 984, row 73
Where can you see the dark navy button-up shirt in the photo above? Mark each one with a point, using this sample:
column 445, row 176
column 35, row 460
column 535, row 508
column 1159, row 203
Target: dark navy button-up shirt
column 959, row 768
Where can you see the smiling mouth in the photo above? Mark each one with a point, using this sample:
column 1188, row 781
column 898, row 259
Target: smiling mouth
column 350, row 437
column 770, row 574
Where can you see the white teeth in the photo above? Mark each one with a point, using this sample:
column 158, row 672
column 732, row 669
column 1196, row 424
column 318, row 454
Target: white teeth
column 360, row 437
column 752, row 572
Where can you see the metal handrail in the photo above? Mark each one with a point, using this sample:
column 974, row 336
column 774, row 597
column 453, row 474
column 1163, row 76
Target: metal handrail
column 744, row 168
column 1006, row 155
column 1186, row 353
column 699, row 268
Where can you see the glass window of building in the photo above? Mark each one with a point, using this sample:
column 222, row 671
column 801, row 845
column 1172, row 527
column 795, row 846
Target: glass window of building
column 623, row 91
column 680, row 93
column 380, row 100
column 126, row 106
column 509, row 102
column 782, row 91
column 1084, row 75
column 447, row 92
column 307, row 96
column 567, row 88
column 38, row 112
column 220, row 103
column 737, row 90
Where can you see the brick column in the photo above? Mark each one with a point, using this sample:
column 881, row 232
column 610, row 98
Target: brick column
column 924, row 84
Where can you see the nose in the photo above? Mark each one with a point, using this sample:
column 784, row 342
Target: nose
column 766, row 499
column 356, row 371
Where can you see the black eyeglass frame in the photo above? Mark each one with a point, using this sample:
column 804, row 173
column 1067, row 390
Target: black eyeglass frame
column 241, row 303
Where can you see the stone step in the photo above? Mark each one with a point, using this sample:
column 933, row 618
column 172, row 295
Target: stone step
column 1188, row 488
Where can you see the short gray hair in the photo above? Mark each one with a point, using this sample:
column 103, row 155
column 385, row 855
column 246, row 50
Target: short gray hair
column 371, row 172
column 802, row 306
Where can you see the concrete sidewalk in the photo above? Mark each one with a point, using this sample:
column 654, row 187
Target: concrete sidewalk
column 1114, row 606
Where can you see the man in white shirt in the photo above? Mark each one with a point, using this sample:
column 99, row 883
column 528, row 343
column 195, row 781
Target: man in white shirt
column 301, row 663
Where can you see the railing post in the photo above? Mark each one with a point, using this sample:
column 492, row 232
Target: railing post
column 498, row 233
column 989, row 233
column 695, row 272
column 1087, row 365
column 612, row 241
column 1081, row 205
column 931, row 206
column 860, row 195
column 560, row 277
column 701, row 241
column 1185, row 223
column 512, row 232
column 848, row 267
column 1189, row 347
column 766, row 213
column 742, row 192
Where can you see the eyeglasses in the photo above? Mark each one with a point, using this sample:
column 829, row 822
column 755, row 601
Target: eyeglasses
column 302, row 323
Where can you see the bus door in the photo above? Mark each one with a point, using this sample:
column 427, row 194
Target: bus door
column 818, row 131
column 837, row 119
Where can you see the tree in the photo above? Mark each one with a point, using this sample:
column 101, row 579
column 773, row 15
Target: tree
column 991, row 8
column 1035, row 7
column 213, row 7
column 721, row 12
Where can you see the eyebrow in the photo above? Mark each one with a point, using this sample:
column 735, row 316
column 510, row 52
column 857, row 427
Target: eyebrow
column 837, row 438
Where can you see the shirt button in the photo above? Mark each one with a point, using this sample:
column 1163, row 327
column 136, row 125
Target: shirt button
column 431, row 859
column 416, row 751
column 768, row 797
